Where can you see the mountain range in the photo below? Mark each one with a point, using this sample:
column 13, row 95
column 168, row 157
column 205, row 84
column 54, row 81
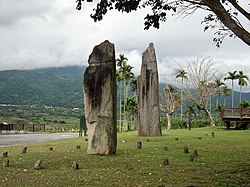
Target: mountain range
column 57, row 87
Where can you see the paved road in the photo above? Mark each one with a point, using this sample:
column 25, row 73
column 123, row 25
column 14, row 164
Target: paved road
column 17, row 139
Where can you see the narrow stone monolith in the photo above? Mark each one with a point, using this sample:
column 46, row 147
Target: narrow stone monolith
column 100, row 100
column 148, row 95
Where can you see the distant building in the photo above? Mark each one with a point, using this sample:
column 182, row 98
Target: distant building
column 4, row 126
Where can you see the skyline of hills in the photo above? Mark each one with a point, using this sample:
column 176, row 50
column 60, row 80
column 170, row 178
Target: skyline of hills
column 57, row 87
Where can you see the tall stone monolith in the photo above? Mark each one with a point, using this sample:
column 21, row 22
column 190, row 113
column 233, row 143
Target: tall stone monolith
column 148, row 95
column 100, row 100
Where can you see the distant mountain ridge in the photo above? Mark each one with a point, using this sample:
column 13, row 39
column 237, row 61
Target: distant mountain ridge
column 60, row 87
column 57, row 87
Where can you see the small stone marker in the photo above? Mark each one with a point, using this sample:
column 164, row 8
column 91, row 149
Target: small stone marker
column 24, row 150
column 75, row 165
column 185, row 149
column 195, row 154
column 191, row 158
column 6, row 163
column 86, row 139
column 176, row 138
column 148, row 140
column 51, row 148
column 212, row 134
column 165, row 162
column 78, row 147
column 138, row 144
column 199, row 138
column 5, row 154
column 165, row 148
column 38, row 164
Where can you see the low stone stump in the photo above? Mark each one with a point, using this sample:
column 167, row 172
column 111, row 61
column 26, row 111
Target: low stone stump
column 78, row 147
column 195, row 154
column 6, row 163
column 5, row 154
column 185, row 149
column 38, row 164
column 191, row 158
column 138, row 144
column 165, row 162
column 212, row 134
column 75, row 165
column 24, row 150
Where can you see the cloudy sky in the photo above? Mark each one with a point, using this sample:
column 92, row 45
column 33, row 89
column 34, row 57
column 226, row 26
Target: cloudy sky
column 52, row 33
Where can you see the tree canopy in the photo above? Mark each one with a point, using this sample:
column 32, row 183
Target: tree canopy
column 225, row 16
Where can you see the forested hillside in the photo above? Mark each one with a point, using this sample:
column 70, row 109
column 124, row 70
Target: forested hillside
column 51, row 87
column 58, row 87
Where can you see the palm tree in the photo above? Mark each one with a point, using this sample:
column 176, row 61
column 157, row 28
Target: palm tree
column 226, row 92
column 242, row 81
column 183, row 75
column 219, row 91
column 232, row 76
column 126, row 73
column 190, row 111
column 119, row 79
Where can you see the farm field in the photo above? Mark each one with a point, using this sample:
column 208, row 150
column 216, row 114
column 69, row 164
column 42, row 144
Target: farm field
column 221, row 161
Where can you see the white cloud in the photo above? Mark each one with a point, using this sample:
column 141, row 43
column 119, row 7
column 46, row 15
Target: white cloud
column 37, row 34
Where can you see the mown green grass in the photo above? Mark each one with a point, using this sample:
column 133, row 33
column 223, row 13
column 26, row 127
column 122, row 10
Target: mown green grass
column 222, row 161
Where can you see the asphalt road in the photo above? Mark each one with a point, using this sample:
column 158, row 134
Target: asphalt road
column 18, row 139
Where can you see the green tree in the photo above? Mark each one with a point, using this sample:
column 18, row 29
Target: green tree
column 131, row 110
column 224, row 15
column 226, row 93
column 126, row 73
column 219, row 89
column 242, row 81
column 119, row 80
column 190, row 112
column 183, row 75
column 245, row 104
column 232, row 76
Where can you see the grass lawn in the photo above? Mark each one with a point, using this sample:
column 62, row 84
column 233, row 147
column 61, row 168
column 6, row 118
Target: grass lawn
column 222, row 161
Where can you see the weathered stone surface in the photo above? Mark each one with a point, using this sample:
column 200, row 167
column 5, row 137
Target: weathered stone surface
column 6, row 163
column 75, row 165
column 100, row 100
column 148, row 95
column 24, row 150
column 5, row 154
column 38, row 165
column 138, row 144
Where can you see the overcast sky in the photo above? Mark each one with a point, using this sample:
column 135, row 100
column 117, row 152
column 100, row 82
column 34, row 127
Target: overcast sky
column 52, row 33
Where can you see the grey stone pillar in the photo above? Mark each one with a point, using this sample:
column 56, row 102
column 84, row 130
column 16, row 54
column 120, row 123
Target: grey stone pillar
column 100, row 100
column 148, row 95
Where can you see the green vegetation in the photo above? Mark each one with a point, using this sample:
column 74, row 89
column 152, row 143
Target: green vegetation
column 55, row 118
column 222, row 161
column 58, row 87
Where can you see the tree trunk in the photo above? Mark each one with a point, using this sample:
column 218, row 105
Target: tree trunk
column 169, row 125
column 211, row 119
column 120, row 106
column 125, row 121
